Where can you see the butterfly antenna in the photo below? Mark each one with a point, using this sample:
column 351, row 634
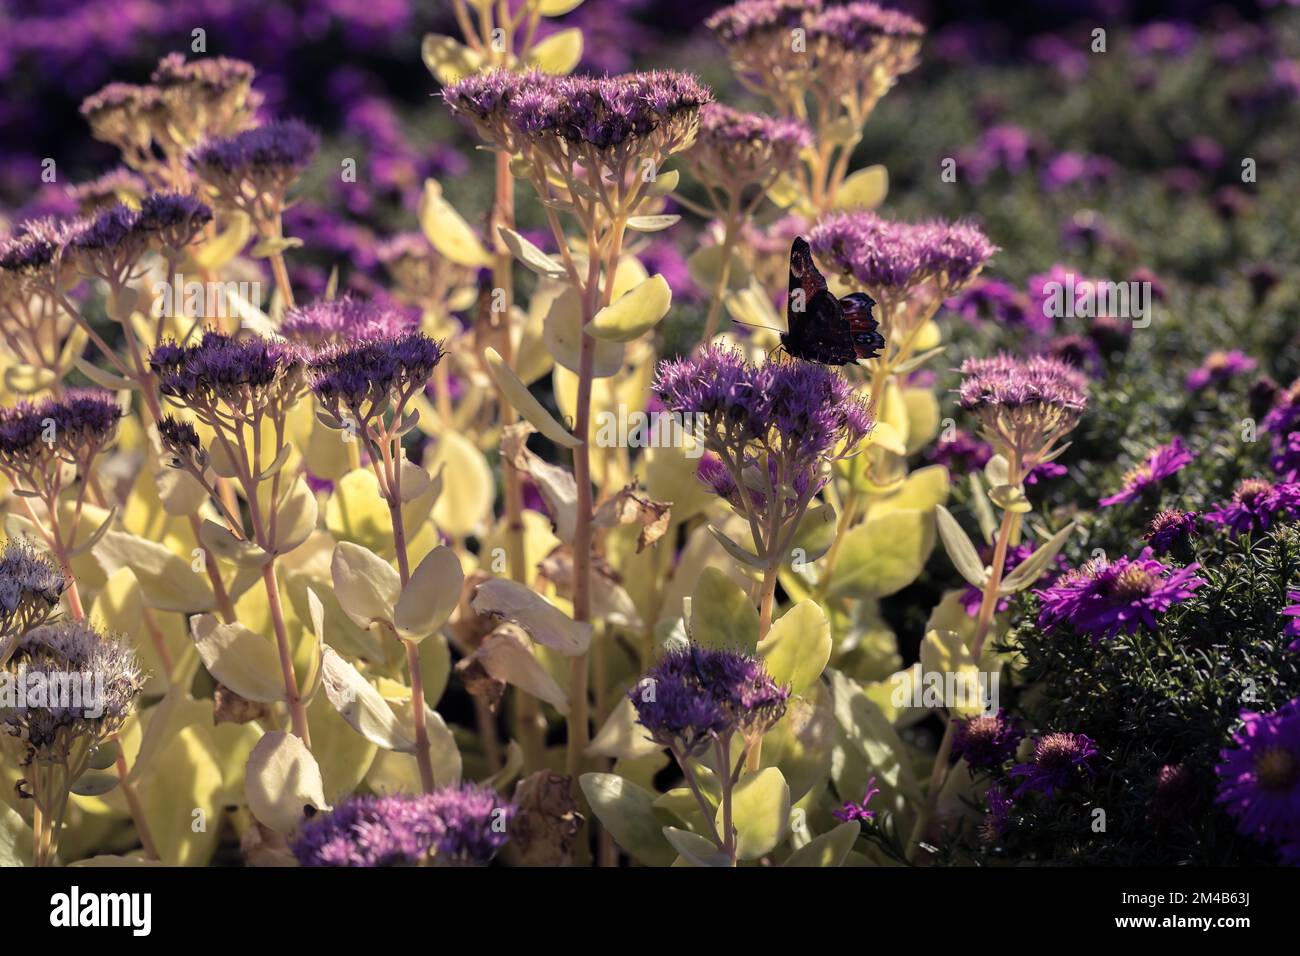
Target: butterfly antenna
column 755, row 325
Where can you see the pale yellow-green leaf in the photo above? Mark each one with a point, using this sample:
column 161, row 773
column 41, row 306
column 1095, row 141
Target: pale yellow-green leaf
column 169, row 583
column 525, row 404
column 532, row 257
column 559, row 53
column 922, row 417
column 281, row 781
column 1029, row 570
column 363, row 707
column 507, row 656
column 430, row 595
column 798, row 647
column 15, row 838
column 622, row 737
column 366, row 585
column 634, row 313
column 864, row 189
column 184, row 778
column 295, row 516
column 960, row 550
column 652, row 223
column 921, row 491
column 827, row 850
column 447, row 59
column 627, row 812
column 705, row 268
column 883, row 554
column 722, row 615
column 563, row 336
column 760, row 812
column 557, row 8
column 450, row 234
column 545, row 623
column 695, row 850
column 244, row 661
column 222, row 248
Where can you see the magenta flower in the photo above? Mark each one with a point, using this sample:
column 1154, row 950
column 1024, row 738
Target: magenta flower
column 986, row 741
column 1170, row 529
column 858, row 811
column 1256, row 505
column 1259, row 777
column 1293, row 626
column 1059, row 762
column 1159, row 465
column 1103, row 598
column 1218, row 368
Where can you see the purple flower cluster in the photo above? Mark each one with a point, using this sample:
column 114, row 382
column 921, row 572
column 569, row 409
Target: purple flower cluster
column 362, row 379
column 734, row 149
column 1256, row 505
column 998, row 302
column 272, row 150
column 600, row 112
column 800, row 412
column 452, row 826
column 886, row 256
column 1159, row 465
column 696, row 694
column 1004, row 381
column 239, row 372
column 1059, row 762
column 1103, row 597
column 30, row 588
column 748, row 19
column 52, row 733
column 960, row 452
column 985, row 742
column 120, row 233
column 74, row 427
column 344, row 320
column 1259, row 777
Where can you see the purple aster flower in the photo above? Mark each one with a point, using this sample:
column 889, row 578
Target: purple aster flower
column 1259, row 777
column 1159, row 465
column 453, row 826
column 1218, row 368
column 1076, row 169
column 1058, row 763
column 1103, row 597
column 1007, row 147
column 1293, row 626
column 696, row 694
column 986, row 741
column 345, row 320
column 743, row 21
column 1282, row 422
column 997, row 302
column 1171, row 530
column 1256, row 505
column 1045, row 471
column 858, row 811
column 1078, row 351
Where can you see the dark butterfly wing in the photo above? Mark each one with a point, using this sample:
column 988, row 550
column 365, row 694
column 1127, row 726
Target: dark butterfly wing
column 804, row 278
column 819, row 333
column 867, row 341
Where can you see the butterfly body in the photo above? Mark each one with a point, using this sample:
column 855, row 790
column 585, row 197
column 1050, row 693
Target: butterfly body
column 822, row 328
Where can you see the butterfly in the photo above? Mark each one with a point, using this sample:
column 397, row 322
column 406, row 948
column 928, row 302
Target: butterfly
column 823, row 328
